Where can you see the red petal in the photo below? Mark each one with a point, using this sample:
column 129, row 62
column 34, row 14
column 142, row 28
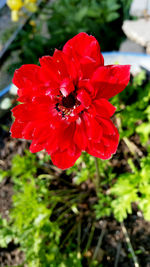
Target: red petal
column 40, row 142
column 25, row 73
column 61, row 137
column 60, row 64
column 65, row 136
column 83, row 45
column 66, row 87
column 52, row 143
column 84, row 98
column 58, row 67
column 104, row 108
column 92, row 127
column 88, row 86
column 50, row 75
column 80, row 137
column 27, row 80
column 107, row 125
column 41, row 135
column 17, row 129
column 64, row 65
column 110, row 80
column 106, row 146
column 48, row 65
column 88, row 66
column 35, row 147
column 24, row 112
column 65, row 159
column 30, row 112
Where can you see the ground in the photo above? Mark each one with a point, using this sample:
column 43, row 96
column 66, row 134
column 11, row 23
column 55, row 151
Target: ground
column 113, row 249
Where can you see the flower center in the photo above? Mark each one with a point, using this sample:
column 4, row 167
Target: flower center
column 69, row 101
column 67, row 105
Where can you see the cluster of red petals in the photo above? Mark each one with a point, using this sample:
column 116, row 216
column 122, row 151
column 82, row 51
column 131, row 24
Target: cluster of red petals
column 65, row 108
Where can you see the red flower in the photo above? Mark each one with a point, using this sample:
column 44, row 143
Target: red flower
column 65, row 106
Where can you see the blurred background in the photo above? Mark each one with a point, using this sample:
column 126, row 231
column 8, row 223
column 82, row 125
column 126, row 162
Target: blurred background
column 49, row 217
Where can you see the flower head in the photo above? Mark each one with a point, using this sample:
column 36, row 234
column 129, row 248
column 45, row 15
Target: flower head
column 65, row 108
column 16, row 5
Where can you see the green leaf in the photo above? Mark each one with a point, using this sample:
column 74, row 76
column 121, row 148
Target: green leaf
column 125, row 191
column 103, row 208
column 144, row 131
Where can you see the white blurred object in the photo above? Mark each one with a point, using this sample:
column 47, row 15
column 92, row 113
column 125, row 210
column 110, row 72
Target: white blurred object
column 5, row 104
column 140, row 8
column 131, row 47
column 13, row 89
column 138, row 31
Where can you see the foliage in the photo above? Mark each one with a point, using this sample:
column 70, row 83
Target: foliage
column 29, row 44
column 103, row 207
column 42, row 212
column 132, row 187
column 89, row 16
column 125, row 8
column 128, row 188
column 30, row 224
column 84, row 169
column 57, row 21
column 134, row 101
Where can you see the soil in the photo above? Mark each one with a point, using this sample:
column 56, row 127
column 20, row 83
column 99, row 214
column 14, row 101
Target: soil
column 114, row 250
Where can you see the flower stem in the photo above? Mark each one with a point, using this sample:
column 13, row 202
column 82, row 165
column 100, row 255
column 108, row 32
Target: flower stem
column 124, row 230
column 97, row 181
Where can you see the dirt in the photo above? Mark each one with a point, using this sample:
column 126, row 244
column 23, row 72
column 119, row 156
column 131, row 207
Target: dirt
column 114, row 250
column 11, row 256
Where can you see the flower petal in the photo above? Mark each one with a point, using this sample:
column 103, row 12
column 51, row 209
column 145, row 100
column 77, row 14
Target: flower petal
column 26, row 78
column 104, row 108
column 65, row 65
column 87, row 65
column 80, row 137
column 35, row 147
column 17, row 128
column 106, row 146
column 92, row 128
column 41, row 134
column 83, row 45
column 49, row 67
column 30, row 112
column 107, row 125
column 110, row 80
column 84, row 98
column 66, row 87
column 65, row 159
column 61, row 137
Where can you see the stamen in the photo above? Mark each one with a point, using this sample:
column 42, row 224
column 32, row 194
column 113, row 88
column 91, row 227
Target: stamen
column 67, row 105
column 57, row 108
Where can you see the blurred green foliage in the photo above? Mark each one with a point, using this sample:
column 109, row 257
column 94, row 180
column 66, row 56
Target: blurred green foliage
column 83, row 169
column 132, row 187
column 43, row 209
column 40, row 212
column 58, row 21
column 69, row 17
column 135, row 112
column 30, row 224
